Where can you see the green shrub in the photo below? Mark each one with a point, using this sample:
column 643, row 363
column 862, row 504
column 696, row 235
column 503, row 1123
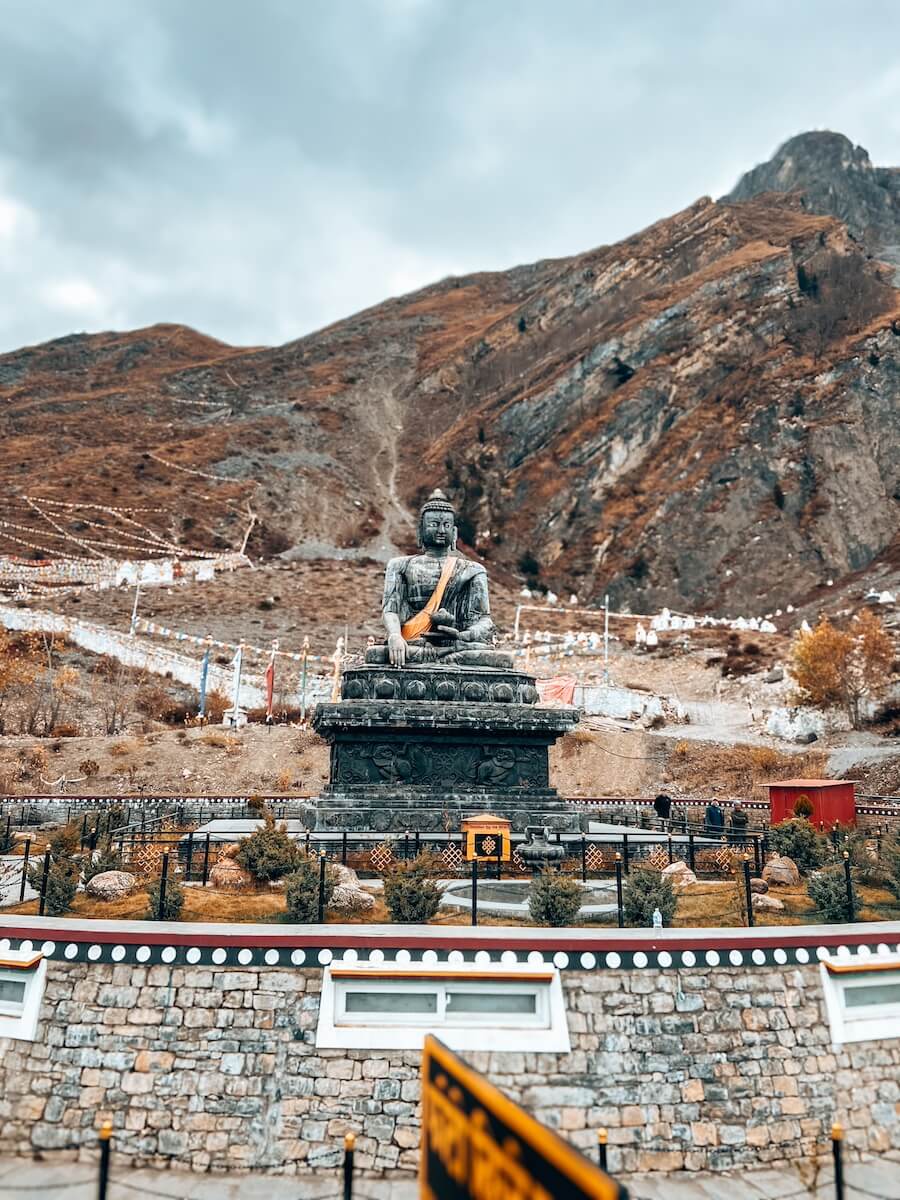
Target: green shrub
column 62, row 884
column 868, row 867
column 554, row 900
column 797, row 840
column 411, row 892
column 107, row 860
column 828, row 891
column 301, row 889
column 269, row 853
column 646, row 890
column 66, row 841
column 173, row 903
column 890, row 858
column 115, row 817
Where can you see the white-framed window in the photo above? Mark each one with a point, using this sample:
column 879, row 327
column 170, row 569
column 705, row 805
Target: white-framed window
column 22, row 977
column 469, row 1007
column 862, row 997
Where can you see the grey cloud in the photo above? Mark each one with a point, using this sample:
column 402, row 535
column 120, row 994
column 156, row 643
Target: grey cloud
column 260, row 169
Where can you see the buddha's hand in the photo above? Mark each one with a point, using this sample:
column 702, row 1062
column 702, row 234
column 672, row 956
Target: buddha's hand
column 442, row 622
column 397, row 650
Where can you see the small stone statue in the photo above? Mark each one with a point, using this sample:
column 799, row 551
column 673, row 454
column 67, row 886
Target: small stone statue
column 436, row 608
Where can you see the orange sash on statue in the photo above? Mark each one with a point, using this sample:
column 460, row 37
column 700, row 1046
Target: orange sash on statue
column 421, row 622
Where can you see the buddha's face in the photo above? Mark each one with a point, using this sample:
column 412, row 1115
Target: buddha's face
column 437, row 529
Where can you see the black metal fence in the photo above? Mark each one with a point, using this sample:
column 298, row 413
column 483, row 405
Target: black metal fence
column 586, row 855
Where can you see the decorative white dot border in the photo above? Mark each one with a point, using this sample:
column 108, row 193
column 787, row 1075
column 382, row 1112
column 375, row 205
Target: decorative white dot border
column 743, row 955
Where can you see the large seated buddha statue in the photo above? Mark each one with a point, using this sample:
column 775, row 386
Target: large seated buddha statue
column 436, row 608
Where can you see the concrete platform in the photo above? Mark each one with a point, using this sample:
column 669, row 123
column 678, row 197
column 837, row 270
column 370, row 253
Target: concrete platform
column 875, row 1178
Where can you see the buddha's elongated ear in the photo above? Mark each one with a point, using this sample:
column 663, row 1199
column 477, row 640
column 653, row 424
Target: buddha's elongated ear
column 453, row 537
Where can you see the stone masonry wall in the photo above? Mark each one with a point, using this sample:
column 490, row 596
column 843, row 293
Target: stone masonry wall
column 217, row 1068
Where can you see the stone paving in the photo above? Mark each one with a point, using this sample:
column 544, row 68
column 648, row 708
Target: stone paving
column 872, row 1179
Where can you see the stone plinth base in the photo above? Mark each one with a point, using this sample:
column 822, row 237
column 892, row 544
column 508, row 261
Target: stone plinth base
column 395, row 810
column 421, row 748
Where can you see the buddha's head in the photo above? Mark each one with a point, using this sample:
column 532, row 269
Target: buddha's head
column 437, row 523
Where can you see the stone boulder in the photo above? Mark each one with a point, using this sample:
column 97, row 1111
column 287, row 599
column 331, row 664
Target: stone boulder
column 759, row 886
column 111, row 885
column 781, row 871
column 348, row 895
column 681, row 875
column 766, row 904
column 229, row 876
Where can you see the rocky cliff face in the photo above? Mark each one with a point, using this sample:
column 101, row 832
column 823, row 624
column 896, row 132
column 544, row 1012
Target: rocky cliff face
column 835, row 178
column 702, row 415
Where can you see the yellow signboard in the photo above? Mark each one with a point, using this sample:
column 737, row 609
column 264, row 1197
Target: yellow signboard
column 479, row 1145
column 487, row 836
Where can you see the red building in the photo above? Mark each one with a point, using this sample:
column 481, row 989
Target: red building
column 833, row 800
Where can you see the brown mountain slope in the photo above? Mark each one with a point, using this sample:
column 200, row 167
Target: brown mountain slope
column 702, row 415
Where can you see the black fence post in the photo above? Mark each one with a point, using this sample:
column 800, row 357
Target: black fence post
column 44, row 876
column 349, row 1147
column 583, row 859
column 206, row 860
column 24, row 869
column 8, row 827
column 418, row 843
column 837, row 1150
column 757, row 854
column 344, row 855
column 406, row 845
column 474, row 891
column 748, row 891
column 322, row 866
column 848, row 881
column 602, row 1139
column 500, row 856
column 83, row 837
column 190, row 855
column 619, row 903
column 670, row 848
column 105, row 1136
column 625, row 852
column 163, row 879
column 691, row 859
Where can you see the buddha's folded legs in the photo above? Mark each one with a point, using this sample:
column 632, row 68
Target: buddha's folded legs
column 468, row 654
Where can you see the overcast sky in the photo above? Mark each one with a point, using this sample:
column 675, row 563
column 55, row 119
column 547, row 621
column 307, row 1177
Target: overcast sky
column 259, row 168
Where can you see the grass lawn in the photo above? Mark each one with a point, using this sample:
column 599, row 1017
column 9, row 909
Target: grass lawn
column 708, row 903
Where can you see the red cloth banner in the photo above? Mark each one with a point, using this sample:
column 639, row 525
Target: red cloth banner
column 558, row 690
column 270, row 686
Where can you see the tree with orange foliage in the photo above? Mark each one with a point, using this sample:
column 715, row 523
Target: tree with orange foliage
column 843, row 668
column 18, row 669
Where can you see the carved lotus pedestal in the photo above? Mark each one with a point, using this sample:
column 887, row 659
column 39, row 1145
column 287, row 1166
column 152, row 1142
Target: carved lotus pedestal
column 423, row 747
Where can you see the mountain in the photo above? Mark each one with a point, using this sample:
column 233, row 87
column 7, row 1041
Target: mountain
column 835, row 178
column 702, row 415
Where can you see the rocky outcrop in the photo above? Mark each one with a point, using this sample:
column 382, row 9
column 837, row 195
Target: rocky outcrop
column 110, row 885
column 781, row 871
column 767, row 904
column 835, row 178
column 229, row 876
column 348, row 895
column 680, row 874
column 699, row 416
